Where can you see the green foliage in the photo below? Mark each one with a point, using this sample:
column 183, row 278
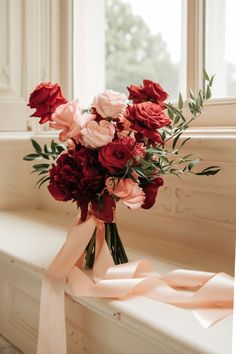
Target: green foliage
column 167, row 158
column 49, row 153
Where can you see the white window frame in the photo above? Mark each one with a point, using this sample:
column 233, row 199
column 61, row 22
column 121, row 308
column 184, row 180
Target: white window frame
column 88, row 49
column 217, row 112
column 37, row 46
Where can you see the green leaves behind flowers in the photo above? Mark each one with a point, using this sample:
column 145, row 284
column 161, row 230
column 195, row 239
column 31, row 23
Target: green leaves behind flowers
column 46, row 152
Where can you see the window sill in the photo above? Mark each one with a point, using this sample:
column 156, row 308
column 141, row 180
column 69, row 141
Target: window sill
column 34, row 237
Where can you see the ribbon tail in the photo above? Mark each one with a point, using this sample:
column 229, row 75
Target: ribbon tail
column 52, row 329
column 52, row 338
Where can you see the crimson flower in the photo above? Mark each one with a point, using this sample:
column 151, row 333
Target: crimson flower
column 150, row 91
column 115, row 155
column 77, row 176
column 45, row 99
column 146, row 118
column 150, row 191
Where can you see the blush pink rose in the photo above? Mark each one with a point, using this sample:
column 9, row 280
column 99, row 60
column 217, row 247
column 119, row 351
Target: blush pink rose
column 69, row 118
column 95, row 134
column 110, row 104
column 127, row 190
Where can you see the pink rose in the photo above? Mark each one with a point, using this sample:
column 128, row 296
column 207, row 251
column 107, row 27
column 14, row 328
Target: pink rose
column 69, row 118
column 127, row 190
column 95, row 134
column 110, row 104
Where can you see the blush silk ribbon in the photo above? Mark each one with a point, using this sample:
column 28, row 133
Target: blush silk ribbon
column 209, row 295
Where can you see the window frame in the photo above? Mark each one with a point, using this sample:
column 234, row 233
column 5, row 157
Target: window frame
column 217, row 112
column 37, row 47
column 48, row 50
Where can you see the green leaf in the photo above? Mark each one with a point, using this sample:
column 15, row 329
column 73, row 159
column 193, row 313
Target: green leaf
column 163, row 135
column 200, row 97
column 43, row 181
column 176, row 140
column 163, row 158
column 176, row 119
column 60, row 148
column 193, row 163
column 205, row 75
column 191, row 107
column 32, row 157
column 170, row 113
column 185, row 141
column 191, row 94
column 186, row 156
column 208, row 93
column 36, row 146
column 43, row 172
column 180, row 102
column 211, row 80
column 140, row 173
column 41, row 165
column 47, row 150
column 53, row 146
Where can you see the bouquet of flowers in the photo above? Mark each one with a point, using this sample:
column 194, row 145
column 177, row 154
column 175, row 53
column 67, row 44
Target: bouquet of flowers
column 119, row 149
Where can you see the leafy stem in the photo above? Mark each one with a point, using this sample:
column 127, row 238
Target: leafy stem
column 48, row 153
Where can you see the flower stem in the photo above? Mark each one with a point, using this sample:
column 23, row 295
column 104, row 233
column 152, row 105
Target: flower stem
column 114, row 244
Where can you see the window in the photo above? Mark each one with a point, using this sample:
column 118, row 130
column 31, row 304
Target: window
column 118, row 42
column 220, row 49
column 35, row 38
column 142, row 43
column 114, row 43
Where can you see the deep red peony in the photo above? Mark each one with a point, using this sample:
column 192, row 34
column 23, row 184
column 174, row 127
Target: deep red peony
column 146, row 118
column 150, row 91
column 77, row 176
column 150, row 191
column 45, row 99
column 115, row 155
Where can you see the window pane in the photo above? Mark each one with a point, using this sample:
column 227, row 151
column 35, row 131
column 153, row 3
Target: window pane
column 145, row 40
column 220, row 48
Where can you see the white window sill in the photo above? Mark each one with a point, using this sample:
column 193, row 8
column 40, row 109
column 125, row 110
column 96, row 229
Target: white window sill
column 31, row 239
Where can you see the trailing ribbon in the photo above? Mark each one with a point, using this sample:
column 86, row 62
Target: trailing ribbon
column 209, row 295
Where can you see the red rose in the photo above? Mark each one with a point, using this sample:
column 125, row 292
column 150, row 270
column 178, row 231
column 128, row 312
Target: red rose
column 77, row 176
column 45, row 99
column 150, row 191
column 115, row 155
column 146, row 117
column 150, row 91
